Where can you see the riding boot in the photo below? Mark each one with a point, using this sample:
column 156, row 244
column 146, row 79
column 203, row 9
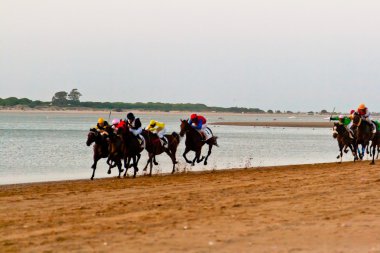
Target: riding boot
column 164, row 141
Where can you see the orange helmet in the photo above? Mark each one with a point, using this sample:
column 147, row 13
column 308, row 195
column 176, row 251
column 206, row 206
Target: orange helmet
column 193, row 116
column 361, row 107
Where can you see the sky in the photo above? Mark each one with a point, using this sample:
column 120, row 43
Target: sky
column 272, row 54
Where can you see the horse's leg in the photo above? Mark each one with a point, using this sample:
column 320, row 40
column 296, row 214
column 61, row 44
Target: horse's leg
column 126, row 165
column 151, row 164
column 154, row 160
column 184, row 155
column 119, row 165
column 353, row 150
column 134, row 159
column 96, row 159
column 373, row 152
column 146, row 166
column 208, row 153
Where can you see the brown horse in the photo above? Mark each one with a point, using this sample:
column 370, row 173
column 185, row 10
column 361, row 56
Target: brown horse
column 132, row 151
column 194, row 142
column 344, row 141
column 100, row 147
column 375, row 144
column 116, row 152
column 154, row 147
column 363, row 133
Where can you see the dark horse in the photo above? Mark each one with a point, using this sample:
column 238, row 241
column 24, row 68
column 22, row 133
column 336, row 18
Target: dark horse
column 124, row 145
column 154, row 147
column 363, row 133
column 375, row 144
column 343, row 137
column 132, row 151
column 100, row 147
column 194, row 142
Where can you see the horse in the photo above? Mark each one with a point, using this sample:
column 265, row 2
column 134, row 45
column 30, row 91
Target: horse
column 363, row 134
column 132, row 150
column 154, row 147
column 100, row 147
column 116, row 152
column 342, row 135
column 194, row 142
column 375, row 144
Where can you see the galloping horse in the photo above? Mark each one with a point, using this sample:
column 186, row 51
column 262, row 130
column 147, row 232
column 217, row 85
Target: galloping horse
column 363, row 134
column 154, row 147
column 375, row 143
column 194, row 142
column 100, row 147
column 132, row 150
column 343, row 137
column 116, row 152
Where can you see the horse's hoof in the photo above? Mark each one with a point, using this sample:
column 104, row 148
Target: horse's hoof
column 109, row 172
column 155, row 163
column 121, row 170
column 205, row 163
column 372, row 163
column 176, row 162
column 92, row 178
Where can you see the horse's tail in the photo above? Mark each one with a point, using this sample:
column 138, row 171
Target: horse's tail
column 176, row 136
column 215, row 141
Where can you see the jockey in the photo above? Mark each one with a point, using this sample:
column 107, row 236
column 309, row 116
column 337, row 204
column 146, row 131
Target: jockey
column 134, row 125
column 159, row 129
column 119, row 126
column 102, row 126
column 366, row 115
column 198, row 122
column 346, row 122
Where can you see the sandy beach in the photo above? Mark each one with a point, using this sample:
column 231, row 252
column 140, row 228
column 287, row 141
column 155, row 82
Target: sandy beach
column 304, row 208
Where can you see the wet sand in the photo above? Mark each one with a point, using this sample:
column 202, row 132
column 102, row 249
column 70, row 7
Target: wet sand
column 304, row 208
column 277, row 124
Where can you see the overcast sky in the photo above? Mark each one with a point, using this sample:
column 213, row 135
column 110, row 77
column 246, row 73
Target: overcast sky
column 271, row 54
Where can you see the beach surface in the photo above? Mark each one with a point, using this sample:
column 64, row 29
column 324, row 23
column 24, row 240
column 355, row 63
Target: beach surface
column 302, row 208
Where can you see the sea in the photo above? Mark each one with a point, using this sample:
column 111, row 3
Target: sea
column 37, row 146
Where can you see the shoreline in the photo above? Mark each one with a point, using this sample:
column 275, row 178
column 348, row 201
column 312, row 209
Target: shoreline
column 328, row 207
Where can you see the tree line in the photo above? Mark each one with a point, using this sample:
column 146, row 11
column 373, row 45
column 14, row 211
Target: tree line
column 71, row 99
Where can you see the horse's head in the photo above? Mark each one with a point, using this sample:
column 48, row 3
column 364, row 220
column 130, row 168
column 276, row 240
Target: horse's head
column 184, row 127
column 91, row 136
column 356, row 120
column 338, row 129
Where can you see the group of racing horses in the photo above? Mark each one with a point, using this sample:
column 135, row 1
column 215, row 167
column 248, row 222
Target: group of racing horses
column 362, row 142
column 124, row 146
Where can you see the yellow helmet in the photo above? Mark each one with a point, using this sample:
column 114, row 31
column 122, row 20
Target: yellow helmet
column 101, row 121
column 361, row 107
column 152, row 122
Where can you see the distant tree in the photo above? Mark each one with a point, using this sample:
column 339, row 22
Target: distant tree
column 74, row 96
column 289, row 112
column 324, row 112
column 269, row 111
column 278, row 111
column 60, row 98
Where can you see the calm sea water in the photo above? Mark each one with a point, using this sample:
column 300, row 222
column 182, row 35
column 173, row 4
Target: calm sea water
column 40, row 146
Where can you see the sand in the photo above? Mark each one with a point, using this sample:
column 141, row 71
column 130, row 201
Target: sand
column 304, row 208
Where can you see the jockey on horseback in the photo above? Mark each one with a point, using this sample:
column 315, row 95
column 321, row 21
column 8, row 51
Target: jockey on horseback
column 199, row 123
column 366, row 115
column 159, row 129
column 347, row 122
column 135, row 126
column 102, row 126
column 119, row 126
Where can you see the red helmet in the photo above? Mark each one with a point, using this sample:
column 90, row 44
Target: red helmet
column 352, row 111
column 193, row 116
